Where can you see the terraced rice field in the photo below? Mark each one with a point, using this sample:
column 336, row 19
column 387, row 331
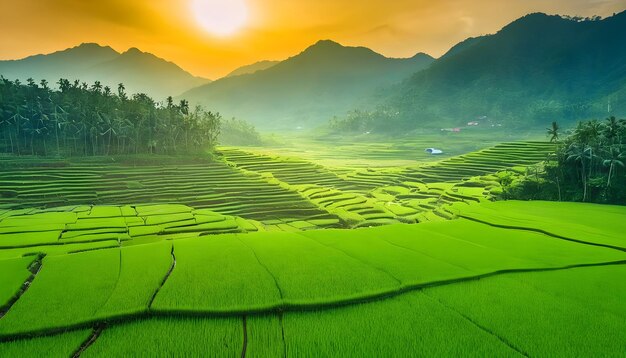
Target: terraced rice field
column 303, row 260
column 517, row 155
column 215, row 186
column 282, row 193
column 390, row 290
column 368, row 150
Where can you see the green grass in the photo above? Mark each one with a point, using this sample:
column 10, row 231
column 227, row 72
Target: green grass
column 68, row 290
column 54, row 250
column 247, row 243
column 14, row 273
column 435, row 251
column 548, row 314
column 25, row 239
column 310, row 273
column 218, row 274
column 263, row 271
column 598, row 224
column 171, row 337
column 370, row 151
column 265, row 336
column 574, row 312
column 119, row 223
column 600, row 288
column 214, row 185
column 411, row 325
column 143, row 269
column 60, row 345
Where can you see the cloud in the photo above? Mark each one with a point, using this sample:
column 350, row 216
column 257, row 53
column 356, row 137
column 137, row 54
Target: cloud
column 132, row 14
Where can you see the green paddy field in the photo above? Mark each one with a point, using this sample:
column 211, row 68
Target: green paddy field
column 268, row 252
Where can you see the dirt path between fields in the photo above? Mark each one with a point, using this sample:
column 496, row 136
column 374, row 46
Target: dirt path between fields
column 97, row 330
column 167, row 275
column 34, row 269
column 245, row 337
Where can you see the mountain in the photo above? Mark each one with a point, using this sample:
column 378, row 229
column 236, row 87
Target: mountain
column 139, row 71
column 462, row 46
column 58, row 64
column 255, row 67
column 324, row 80
column 538, row 69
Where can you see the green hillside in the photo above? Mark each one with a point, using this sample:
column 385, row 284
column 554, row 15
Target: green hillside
column 305, row 90
column 252, row 68
column 535, row 70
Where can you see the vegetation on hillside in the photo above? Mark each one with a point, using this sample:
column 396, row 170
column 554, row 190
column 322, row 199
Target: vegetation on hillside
column 239, row 132
column 363, row 121
column 303, row 91
column 535, row 69
column 83, row 120
column 589, row 165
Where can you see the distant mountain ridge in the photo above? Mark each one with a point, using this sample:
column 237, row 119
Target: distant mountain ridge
column 538, row 69
column 139, row 71
column 252, row 68
column 307, row 89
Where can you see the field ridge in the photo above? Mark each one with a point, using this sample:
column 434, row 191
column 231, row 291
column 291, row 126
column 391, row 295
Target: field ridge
column 297, row 307
column 541, row 231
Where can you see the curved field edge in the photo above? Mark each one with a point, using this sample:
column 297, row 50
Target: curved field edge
column 592, row 224
column 285, row 308
column 423, row 321
column 588, row 256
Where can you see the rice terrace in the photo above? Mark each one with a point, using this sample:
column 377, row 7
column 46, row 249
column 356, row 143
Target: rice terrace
column 334, row 203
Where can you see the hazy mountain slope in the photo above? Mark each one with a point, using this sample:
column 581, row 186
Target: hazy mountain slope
column 66, row 63
column 538, row 69
column 139, row 71
column 144, row 72
column 255, row 67
column 462, row 46
column 324, row 80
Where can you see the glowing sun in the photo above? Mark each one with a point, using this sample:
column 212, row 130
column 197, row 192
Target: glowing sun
column 220, row 17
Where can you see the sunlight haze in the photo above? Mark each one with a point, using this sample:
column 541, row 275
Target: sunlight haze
column 274, row 29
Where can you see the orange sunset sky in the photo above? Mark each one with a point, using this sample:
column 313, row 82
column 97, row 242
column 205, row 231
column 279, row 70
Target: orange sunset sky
column 273, row 29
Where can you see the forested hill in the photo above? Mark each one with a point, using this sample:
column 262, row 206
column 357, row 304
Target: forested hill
column 141, row 72
column 81, row 120
column 305, row 90
column 538, row 69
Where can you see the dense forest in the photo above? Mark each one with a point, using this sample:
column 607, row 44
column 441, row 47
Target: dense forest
column 91, row 120
column 589, row 165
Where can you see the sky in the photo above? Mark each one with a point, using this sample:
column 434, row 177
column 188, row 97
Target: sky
column 268, row 30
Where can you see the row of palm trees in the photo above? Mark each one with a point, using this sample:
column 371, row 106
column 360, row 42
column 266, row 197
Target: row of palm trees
column 589, row 163
column 91, row 120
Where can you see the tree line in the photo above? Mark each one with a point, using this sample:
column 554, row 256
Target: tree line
column 588, row 165
column 79, row 119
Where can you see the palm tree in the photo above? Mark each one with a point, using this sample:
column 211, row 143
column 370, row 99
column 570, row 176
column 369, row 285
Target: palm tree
column 121, row 91
column 553, row 132
column 580, row 153
column 97, row 87
column 614, row 159
column 613, row 130
column 92, row 120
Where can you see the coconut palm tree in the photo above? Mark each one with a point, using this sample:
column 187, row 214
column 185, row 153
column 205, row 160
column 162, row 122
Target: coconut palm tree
column 553, row 132
column 613, row 130
column 580, row 153
column 615, row 159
